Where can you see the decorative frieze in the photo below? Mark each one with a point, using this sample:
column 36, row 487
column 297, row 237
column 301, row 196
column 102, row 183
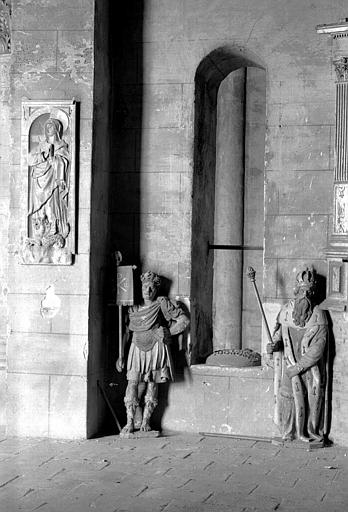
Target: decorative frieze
column 5, row 33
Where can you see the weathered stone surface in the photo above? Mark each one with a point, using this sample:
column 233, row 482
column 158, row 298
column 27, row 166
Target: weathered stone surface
column 214, row 400
column 68, row 405
column 83, row 240
column 296, row 236
column 44, row 13
column 161, row 26
column 48, row 354
column 299, row 192
column 35, row 279
column 184, row 271
column 75, row 53
column 306, row 148
column 53, row 85
column 27, row 405
column 73, row 315
column 25, row 314
column 161, row 240
column 34, row 51
column 85, row 143
column 164, row 150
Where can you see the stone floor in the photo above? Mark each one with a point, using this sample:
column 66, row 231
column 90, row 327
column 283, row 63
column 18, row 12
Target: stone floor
column 173, row 473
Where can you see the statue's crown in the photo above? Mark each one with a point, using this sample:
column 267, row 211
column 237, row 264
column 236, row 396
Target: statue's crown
column 306, row 278
column 152, row 277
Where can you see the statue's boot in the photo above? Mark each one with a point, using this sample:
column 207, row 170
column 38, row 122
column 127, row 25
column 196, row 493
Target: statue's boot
column 150, row 404
column 138, row 417
column 131, row 403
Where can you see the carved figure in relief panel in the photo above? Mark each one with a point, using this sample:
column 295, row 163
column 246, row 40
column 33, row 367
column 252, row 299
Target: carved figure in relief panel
column 298, row 348
column 49, row 185
column 150, row 326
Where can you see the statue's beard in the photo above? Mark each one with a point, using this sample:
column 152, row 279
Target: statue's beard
column 302, row 311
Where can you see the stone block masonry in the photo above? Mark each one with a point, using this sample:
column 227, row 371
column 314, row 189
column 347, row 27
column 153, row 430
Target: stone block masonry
column 45, row 388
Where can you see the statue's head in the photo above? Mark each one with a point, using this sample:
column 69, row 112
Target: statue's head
column 53, row 127
column 304, row 294
column 150, row 283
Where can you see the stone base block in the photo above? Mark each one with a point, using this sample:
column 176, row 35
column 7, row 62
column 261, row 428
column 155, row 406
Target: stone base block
column 220, row 399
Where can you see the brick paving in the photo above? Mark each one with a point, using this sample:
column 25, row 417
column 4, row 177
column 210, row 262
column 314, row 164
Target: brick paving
column 172, row 473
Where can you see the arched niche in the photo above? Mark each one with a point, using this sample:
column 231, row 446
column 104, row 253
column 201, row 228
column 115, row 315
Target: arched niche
column 228, row 196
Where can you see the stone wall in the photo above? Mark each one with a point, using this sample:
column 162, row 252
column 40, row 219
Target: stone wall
column 154, row 183
column 52, row 58
column 300, row 111
column 143, row 192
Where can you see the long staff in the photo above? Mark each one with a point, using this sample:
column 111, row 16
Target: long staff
column 251, row 273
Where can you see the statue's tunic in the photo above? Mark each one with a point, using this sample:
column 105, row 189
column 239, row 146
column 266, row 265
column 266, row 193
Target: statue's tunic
column 148, row 358
column 300, row 399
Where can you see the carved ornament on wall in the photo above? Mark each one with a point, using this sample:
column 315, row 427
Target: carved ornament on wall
column 341, row 68
column 5, row 33
column 341, row 209
column 48, row 158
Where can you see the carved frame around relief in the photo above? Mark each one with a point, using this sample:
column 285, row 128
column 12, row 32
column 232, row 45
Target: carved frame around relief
column 48, row 157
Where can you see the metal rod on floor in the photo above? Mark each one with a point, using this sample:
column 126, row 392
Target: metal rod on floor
column 236, row 436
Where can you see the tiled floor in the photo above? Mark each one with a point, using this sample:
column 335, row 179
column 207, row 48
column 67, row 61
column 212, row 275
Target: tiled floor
column 177, row 472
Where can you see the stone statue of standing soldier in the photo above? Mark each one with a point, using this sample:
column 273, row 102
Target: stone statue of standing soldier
column 151, row 326
column 298, row 348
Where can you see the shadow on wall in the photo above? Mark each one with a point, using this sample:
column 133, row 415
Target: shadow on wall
column 212, row 70
column 122, row 190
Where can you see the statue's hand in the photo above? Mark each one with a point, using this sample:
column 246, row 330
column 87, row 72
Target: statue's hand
column 61, row 184
column 292, row 371
column 45, row 149
column 269, row 361
column 120, row 364
column 270, row 348
column 164, row 335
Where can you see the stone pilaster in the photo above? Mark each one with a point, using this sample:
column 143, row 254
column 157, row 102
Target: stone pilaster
column 337, row 250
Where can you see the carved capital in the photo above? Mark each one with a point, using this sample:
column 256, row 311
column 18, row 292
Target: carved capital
column 341, row 68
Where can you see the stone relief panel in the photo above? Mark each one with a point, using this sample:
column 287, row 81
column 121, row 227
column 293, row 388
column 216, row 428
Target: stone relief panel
column 341, row 209
column 48, row 157
column 5, row 34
